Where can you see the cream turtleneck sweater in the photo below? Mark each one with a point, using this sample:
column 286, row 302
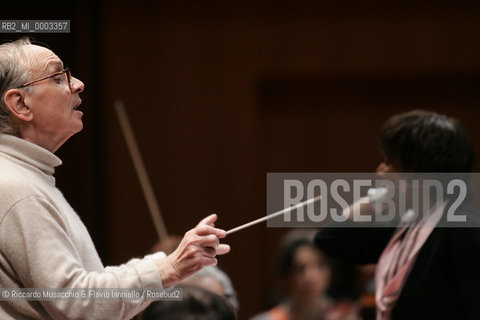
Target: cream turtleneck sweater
column 44, row 244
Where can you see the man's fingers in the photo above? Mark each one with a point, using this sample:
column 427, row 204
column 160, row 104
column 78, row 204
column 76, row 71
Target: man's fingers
column 220, row 249
column 210, row 252
column 213, row 262
column 210, row 220
column 209, row 241
column 204, row 230
column 223, row 249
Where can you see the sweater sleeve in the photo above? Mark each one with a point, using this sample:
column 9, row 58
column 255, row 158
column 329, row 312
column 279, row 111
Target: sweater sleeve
column 42, row 253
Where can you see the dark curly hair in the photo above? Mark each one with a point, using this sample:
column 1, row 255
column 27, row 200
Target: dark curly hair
column 423, row 141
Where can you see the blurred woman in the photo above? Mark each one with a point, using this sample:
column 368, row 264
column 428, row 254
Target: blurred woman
column 305, row 274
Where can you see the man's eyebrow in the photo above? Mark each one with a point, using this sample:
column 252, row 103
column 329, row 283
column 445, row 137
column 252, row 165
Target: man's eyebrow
column 58, row 65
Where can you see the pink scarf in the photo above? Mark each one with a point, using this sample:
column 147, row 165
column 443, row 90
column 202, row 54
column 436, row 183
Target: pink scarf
column 398, row 259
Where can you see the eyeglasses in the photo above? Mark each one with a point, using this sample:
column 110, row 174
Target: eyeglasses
column 66, row 71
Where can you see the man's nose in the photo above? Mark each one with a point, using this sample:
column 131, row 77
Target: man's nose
column 77, row 85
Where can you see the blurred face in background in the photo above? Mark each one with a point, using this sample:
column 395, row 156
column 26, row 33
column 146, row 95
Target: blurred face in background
column 309, row 276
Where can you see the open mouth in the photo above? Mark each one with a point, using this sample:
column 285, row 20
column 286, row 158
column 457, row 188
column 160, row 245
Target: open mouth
column 78, row 104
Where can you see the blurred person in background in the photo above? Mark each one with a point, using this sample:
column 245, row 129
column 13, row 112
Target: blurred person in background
column 213, row 279
column 305, row 273
column 423, row 271
column 196, row 304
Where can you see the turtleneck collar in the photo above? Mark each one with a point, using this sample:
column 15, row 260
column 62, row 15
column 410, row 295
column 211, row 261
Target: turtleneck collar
column 29, row 153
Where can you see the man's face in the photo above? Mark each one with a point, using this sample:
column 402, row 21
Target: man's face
column 53, row 104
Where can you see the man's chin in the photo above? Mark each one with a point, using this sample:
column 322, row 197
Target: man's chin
column 78, row 126
column 77, row 118
column 78, row 112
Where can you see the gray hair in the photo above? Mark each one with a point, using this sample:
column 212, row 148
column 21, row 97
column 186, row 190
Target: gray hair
column 219, row 275
column 13, row 73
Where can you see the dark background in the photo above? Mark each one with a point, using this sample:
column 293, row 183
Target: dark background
column 221, row 92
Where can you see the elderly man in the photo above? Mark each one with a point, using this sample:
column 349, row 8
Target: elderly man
column 43, row 243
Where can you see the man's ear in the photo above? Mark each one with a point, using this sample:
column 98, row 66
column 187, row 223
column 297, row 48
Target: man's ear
column 15, row 102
